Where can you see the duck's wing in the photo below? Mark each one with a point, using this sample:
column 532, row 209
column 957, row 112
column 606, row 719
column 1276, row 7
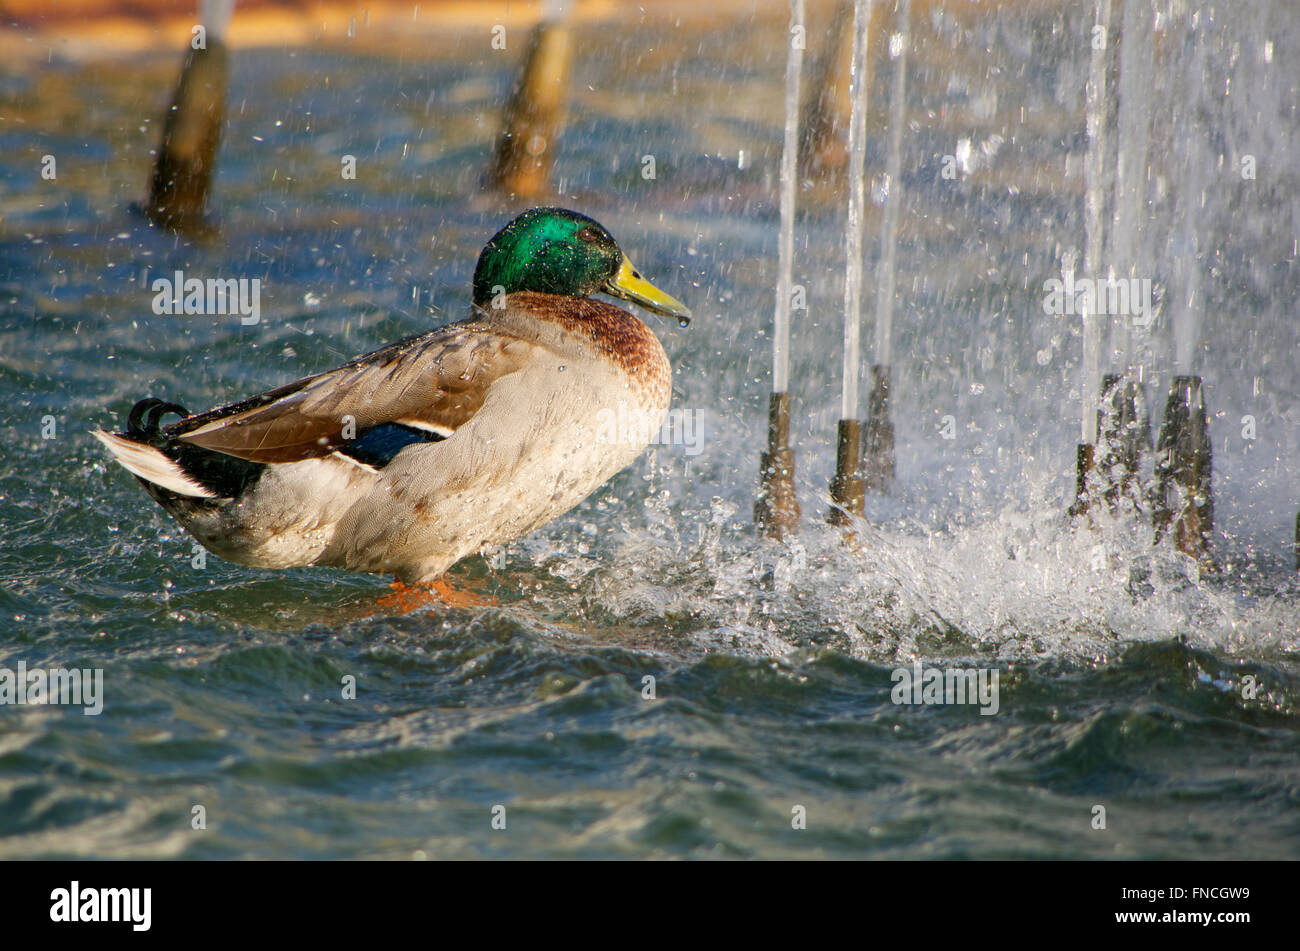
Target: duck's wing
column 432, row 383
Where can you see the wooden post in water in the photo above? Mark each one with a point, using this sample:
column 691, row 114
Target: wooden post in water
column 1124, row 433
column 776, row 510
column 182, row 175
column 534, row 117
column 1184, row 499
column 1084, row 467
column 848, row 489
column 827, row 108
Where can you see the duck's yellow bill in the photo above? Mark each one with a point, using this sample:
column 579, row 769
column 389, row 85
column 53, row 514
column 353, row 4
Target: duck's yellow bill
column 629, row 285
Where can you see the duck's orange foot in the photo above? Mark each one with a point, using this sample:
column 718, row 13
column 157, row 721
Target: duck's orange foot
column 406, row 598
column 457, row 597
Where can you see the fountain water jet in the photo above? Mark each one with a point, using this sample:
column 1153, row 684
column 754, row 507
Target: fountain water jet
column 878, row 460
column 1096, row 189
column 1183, row 503
column 1124, row 402
column 1116, row 435
column 1115, row 423
column 776, row 510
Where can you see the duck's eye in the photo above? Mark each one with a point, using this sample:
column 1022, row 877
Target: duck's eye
column 589, row 235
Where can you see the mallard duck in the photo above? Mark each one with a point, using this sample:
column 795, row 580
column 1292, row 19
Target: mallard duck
column 410, row 458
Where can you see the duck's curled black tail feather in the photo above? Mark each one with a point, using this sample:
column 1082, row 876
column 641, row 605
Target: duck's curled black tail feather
column 176, row 467
column 145, row 416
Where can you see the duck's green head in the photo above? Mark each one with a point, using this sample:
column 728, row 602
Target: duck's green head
column 557, row 251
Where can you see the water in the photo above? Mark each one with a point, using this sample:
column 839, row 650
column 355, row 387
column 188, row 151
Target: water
column 1096, row 189
column 853, row 227
column 1185, row 244
column 886, row 272
column 1123, row 671
column 1127, row 237
column 789, row 155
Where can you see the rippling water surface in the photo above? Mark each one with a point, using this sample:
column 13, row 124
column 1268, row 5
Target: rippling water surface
column 1128, row 678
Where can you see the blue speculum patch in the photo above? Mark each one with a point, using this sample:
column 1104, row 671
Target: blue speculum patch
column 378, row 445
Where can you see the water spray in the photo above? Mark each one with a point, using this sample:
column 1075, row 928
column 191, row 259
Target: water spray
column 848, row 488
column 1126, row 238
column 534, row 115
column 1095, row 190
column 878, row 458
column 777, row 508
column 182, row 175
column 1183, row 501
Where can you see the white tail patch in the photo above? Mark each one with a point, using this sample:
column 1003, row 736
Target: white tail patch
column 151, row 465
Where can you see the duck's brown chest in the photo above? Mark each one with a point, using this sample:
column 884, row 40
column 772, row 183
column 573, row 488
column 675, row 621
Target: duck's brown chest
column 614, row 334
